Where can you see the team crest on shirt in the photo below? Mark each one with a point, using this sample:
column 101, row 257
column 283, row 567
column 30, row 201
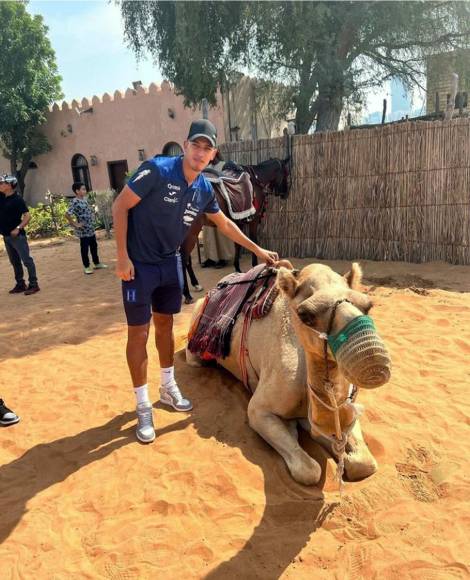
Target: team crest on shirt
column 143, row 173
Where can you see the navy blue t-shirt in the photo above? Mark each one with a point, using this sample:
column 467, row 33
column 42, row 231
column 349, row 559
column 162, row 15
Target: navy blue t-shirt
column 158, row 224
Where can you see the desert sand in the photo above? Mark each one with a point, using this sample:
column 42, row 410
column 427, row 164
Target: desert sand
column 81, row 498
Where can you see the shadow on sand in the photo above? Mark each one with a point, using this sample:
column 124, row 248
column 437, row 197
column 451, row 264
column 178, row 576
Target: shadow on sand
column 292, row 511
column 46, row 464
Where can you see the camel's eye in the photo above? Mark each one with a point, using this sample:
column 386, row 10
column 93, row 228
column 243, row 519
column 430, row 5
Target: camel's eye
column 309, row 311
column 306, row 314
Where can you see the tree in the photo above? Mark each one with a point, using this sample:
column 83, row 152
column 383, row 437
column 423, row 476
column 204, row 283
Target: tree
column 29, row 84
column 327, row 52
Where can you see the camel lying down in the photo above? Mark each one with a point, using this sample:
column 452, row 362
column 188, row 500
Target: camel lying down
column 294, row 376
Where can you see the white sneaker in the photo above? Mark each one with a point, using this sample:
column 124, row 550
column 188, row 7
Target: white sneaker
column 171, row 395
column 145, row 431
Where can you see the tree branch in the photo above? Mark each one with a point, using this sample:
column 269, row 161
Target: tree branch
column 415, row 43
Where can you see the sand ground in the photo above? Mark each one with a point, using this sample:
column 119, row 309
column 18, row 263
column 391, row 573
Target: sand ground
column 81, row 498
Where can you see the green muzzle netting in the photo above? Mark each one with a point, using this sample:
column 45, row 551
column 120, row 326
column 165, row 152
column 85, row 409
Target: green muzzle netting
column 361, row 354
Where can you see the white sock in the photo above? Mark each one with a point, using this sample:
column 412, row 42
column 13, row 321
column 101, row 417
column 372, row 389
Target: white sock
column 142, row 394
column 167, row 376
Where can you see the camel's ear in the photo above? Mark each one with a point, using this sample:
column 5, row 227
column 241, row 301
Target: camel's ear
column 354, row 276
column 287, row 281
column 284, row 264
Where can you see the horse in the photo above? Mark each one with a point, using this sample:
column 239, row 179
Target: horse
column 271, row 177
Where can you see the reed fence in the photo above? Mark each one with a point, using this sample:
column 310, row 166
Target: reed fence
column 397, row 192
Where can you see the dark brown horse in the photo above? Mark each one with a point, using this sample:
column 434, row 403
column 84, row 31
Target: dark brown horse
column 271, row 177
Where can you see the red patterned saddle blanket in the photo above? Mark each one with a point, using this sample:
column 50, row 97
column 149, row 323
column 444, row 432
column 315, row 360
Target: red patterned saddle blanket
column 253, row 293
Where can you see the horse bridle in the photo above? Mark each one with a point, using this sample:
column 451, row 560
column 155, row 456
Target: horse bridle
column 264, row 186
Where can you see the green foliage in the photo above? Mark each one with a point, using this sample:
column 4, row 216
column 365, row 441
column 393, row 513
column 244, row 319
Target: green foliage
column 327, row 52
column 102, row 201
column 49, row 219
column 129, row 174
column 29, row 84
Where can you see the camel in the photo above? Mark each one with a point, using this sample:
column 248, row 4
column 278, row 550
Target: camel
column 288, row 363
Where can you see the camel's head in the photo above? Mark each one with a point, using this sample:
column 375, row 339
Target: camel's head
column 327, row 305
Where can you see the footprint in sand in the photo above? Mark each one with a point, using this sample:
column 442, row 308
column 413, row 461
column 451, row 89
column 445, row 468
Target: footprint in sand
column 374, row 416
column 423, row 475
column 200, row 551
column 417, row 570
column 113, row 572
column 358, row 559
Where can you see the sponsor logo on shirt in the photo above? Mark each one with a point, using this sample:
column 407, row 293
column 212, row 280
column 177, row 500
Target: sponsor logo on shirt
column 189, row 214
column 141, row 174
column 173, row 186
column 191, row 210
column 171, row 199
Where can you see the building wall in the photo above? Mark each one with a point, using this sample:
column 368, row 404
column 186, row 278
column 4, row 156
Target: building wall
column 439, row 76
column 117, row 128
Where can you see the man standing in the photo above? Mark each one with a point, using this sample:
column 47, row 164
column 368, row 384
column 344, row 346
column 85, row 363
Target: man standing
column 14, row 217
column 151, row 217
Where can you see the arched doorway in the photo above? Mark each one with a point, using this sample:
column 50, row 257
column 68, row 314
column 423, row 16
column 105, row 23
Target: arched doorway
column 80, row 171
column 172, row 149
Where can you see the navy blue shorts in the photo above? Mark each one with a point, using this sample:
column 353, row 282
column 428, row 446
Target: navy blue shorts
column 155, row 288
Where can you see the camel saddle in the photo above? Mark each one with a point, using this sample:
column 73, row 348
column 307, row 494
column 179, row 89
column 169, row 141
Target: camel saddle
column 251, row 294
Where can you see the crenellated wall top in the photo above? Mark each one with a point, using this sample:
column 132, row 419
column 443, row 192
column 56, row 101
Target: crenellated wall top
column 118, row 95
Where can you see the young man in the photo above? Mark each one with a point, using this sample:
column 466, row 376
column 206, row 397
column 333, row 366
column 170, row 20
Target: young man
column 14, row 217
column 7, row 417
column 81, row 216
column 151, row 217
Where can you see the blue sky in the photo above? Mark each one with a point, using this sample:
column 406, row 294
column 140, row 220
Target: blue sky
column 87, row 37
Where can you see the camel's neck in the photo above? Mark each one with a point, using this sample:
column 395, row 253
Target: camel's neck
column 316, row 376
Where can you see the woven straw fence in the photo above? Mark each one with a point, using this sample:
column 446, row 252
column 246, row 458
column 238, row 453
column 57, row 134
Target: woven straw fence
column 398, row 192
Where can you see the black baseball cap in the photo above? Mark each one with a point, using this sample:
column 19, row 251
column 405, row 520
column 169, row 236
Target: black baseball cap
column 203, row 128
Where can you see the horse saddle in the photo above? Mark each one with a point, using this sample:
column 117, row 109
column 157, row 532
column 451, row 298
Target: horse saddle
column 235, row 188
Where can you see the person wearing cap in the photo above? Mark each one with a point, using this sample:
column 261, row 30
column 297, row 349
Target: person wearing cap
column 14, row 217
column 152, row 215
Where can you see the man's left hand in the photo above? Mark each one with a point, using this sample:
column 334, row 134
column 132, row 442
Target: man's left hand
column 267, row 257
column 14, row 233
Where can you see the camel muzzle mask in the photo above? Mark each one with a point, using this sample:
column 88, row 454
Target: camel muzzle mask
column 361, row 353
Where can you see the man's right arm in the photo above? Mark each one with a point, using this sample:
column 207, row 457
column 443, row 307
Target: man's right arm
column 126, row 200
column 74, row 223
